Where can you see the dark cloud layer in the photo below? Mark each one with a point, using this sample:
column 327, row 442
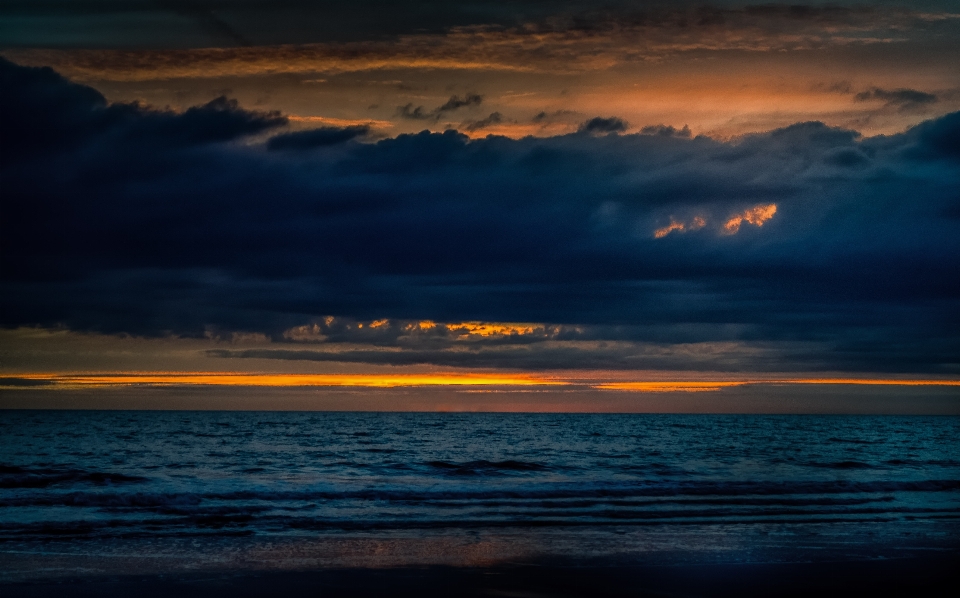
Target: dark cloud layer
column 205, row 23
column 121, row 218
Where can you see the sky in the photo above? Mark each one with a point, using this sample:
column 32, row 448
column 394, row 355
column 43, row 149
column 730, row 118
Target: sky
column 540, row 206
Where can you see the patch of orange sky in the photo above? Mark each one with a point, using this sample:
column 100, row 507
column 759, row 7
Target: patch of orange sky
column 293, row 380
column 723, row 92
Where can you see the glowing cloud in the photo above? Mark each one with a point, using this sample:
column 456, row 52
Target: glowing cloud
column 757, row 215
column 491, row 328
column 696, row 223
column 663, row 232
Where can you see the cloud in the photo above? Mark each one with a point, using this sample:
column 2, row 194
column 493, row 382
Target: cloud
column 902, row 99
column 120, row 218
column 208, row 21
column 936, row 139
column 757, row 216
column 47, row 114
column 695, row 223
column 520, row 358
column 666, row 131
column 454, row 103
column 408, row 112
column 599, row 125
column 495, row 118
column 557, row 115
column 319, row 137
column 565, row 40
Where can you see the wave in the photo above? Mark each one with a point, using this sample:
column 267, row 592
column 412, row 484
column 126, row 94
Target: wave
column 840, row 465
column 20, row 477
column 484, row 467
column 246, row 523
column 852, row 440
column 745, row 492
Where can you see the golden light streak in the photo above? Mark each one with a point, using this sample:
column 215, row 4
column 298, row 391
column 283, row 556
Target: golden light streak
column 868, row 382
column 459, row 379
column 668, row 386
column 714, row 385
column 291, row 380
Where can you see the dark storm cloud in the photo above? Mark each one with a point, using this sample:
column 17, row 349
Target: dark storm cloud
column 903, row 99
column 838, row 251
column 44, row 114
column 603, row 125
column 320, row 137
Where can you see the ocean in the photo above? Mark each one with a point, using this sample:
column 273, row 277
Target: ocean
column 287, row 490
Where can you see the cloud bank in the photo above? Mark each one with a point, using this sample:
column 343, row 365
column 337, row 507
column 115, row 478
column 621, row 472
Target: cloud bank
column 844, row 255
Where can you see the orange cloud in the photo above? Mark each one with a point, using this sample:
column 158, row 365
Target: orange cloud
column 492, row 328
column 757, row 215
column 696, row 223
column 666, row 230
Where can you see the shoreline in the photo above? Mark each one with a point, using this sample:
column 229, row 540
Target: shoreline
column 930, row 575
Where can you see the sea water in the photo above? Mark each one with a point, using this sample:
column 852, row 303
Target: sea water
column 125, row 476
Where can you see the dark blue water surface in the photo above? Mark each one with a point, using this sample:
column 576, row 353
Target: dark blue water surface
column 147, row 474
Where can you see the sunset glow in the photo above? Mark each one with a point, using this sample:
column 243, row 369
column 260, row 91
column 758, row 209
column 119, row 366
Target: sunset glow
column 487, row 298
column 454, row 379
column 290, row 380
column 649, row 198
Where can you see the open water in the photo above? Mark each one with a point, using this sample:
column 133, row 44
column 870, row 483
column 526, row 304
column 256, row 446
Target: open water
column 115, row 474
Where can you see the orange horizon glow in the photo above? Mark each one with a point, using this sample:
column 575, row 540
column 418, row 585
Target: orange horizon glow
column 463, row 379
column 291, row 380
column 673, row 386
column 700, row 386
